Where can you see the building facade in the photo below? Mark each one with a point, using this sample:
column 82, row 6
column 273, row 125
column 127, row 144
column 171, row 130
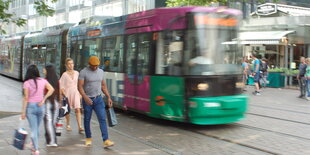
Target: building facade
column 279, row 33
column 72, row 11
column 250, row 6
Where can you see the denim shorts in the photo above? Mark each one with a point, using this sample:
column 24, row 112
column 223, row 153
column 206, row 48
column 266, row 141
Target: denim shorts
column 256, row 77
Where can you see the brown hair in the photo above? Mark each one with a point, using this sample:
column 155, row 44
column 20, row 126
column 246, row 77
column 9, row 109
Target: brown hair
column 67, row 60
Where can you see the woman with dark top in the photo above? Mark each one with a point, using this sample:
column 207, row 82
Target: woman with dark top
column 52, row 106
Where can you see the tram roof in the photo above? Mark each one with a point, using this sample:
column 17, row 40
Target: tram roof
column 145, row 21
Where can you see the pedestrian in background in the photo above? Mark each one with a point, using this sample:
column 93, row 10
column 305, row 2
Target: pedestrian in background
column 245, row 68
column 307, row 76
column 33, row 102
column 264, row 72
column 69, row 89
column 301, row 77
column 256, row 74
column 91, row 83
column 52, row 106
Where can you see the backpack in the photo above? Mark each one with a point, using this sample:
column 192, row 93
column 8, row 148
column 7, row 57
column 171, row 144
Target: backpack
column 262, row 66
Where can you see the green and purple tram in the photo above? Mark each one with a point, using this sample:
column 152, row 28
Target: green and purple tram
column 170, row 63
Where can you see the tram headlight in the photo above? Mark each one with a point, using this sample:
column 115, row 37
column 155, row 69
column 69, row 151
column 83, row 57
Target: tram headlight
column 203, row 86
column 211, row 104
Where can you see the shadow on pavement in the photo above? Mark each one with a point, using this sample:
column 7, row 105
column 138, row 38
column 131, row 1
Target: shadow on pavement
column 7, row 114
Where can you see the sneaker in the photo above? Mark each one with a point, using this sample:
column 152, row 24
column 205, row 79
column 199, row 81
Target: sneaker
column 301, row 96
column 88, row 141
column 258, row 93
column 51, row 145
column 108, row 143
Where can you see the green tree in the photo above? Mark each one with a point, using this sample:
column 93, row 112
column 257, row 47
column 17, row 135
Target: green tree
column 5, row 18
column 173, row 3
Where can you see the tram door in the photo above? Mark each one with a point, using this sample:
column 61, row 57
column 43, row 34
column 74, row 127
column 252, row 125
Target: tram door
column 137, row 79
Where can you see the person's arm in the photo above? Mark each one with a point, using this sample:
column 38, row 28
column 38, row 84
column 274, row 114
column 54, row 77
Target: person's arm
column 50, row 91
column 62, row 86
column 25, row 102
column 82, row 92
column 106, row 93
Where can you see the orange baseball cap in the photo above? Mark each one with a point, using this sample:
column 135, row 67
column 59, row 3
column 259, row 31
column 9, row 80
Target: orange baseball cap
column 94, row 60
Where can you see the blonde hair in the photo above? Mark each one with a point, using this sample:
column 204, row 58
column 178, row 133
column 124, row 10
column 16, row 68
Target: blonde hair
column 67, row 60
column 307, row 60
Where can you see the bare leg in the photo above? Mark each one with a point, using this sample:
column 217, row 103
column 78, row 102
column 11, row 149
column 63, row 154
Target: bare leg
column 78, row 118
column 68, row 122
column 257, row 86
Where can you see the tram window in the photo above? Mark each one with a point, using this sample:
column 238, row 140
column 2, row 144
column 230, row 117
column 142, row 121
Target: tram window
column 143, row 55
column 112, row 54
column 169, row 54
column 51, row 54
column 91, row 47
column 131, row 56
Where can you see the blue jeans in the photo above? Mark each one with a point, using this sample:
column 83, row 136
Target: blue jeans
column 35, row 115
column 99, row 107
column 50, row 118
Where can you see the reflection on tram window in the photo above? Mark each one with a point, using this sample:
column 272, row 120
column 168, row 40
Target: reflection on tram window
column 143, row 55
column 91, row 47
column 207, row 53
column 170, row 53
column 51, row 54
column 112, row 54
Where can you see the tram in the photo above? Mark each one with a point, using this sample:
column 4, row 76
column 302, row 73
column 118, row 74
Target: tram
column 170, row 63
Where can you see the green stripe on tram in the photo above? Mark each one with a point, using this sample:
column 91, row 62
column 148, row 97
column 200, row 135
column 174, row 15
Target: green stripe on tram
column 217, row 110
column 168, row 102
column 167, row 98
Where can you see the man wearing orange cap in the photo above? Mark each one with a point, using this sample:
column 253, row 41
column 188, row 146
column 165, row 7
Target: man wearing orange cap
column 90, row 85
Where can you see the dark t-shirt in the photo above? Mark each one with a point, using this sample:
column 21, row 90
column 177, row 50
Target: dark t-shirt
column 302, row 69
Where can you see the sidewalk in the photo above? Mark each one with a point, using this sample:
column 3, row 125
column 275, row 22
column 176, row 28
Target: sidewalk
column 72, row 143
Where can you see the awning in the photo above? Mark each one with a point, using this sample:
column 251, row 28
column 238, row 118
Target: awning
column 263, row 37
column 256, row 42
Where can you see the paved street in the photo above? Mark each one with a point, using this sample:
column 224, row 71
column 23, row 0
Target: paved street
column 277, row 122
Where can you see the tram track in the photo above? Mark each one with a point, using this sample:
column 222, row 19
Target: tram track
column 282, row 119
column 276, row 132
column 235, row 142
column 143, row 141
column 280, row 109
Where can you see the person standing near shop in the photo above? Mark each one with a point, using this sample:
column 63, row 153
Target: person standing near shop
column 307, row 77
column 256, row 74
column 33, row 103
column 90, row 85
column 301, row 77
column 69, row 88
column 245, row 68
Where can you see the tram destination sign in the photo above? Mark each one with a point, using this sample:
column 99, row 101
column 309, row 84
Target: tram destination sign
column 266, row 9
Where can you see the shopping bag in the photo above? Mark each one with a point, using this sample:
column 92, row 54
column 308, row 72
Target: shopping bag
column 20, row 136
column 59, row 125
column 112, row 121
column 65, row 107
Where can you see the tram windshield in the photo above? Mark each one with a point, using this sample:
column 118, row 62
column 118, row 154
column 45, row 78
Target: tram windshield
column 209, row 49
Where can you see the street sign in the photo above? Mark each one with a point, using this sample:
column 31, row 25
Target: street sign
column 266, row 9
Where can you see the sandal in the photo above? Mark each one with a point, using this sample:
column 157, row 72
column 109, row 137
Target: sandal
column 69, row 128
column 81, row 130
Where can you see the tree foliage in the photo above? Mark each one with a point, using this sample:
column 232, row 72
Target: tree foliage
column 174, row 3
column 41, row 7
